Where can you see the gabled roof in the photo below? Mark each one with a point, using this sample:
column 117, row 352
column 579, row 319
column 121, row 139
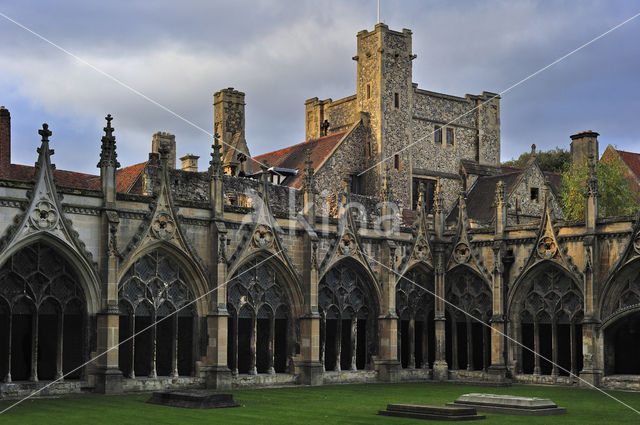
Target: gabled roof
column 294, row 156
column 632, row 160
column 125, row 177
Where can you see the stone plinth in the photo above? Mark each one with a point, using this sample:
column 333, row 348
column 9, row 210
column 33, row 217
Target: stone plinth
column 193, row 399
column 508, row 404
column 434, row 413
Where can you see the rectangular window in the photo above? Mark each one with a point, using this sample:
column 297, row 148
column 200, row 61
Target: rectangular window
column 368, row 91
column 437, row 134
column 396, row 162
column 450, row 136
column 357, row 184
column 429, row 185
column 396, row 100
column 535, row 194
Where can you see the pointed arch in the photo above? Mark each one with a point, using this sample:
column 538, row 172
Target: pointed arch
column 621, row 292
column 191, row 272
column 86, row 276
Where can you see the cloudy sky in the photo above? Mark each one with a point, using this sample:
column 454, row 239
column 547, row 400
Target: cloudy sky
column 281, row 53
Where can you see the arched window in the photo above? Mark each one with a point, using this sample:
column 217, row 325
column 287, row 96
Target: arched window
column 152, row 290
column 415, row 309
column 259, row 320
column 468, row 340
column 42, row 316
column 348, row 310
column 549, row 311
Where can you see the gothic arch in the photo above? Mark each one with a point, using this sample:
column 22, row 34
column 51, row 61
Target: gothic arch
column 364, row 270
column 263, row 300
column 545, row 312
column 621, row 293
column 533, row 270
column 197, row 281
column 415, row 307
column 349, row 303
column 43, row 311
column 292, row 286
column 87, row 277
column 468, row 341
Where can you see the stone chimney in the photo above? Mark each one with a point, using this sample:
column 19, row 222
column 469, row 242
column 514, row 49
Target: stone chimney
column 228, row 123
column 5, row 139
column 190, row 163
column 583, row 145
column 168, row 141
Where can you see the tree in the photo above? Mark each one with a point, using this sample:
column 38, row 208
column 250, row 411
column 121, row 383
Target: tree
column 617, row 195
column 556, row 160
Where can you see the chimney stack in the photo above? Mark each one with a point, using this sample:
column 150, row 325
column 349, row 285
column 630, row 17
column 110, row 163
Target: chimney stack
column 168, row 141
column 5, row 139
column 583, row 145
column 190, row 163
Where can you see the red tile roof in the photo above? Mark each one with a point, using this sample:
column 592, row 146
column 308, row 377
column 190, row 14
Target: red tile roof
column 125, row 177
column 632, row 160
column 294, row 156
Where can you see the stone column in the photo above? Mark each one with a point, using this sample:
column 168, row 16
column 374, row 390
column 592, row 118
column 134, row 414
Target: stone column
column 323, row 345
column 34, row 347
column 217, row 373
column 485, row 340
column 59, row 344
column 440, row 366
column 7, row 378
column 338, row 342
column 132, row 331
column 354, row 342
column 470, row 364
column 272, row 333
column 154, row 346
column 554, row 348
column 174, row 346
column 252, row 345
column 411, row 364
column 425, row 343
column 536, row 346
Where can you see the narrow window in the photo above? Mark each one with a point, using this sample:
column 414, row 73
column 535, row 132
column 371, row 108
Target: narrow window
column 368, row 91
column 535, row 193
column 450, row 136
column 396, row 100
column 357, row 184
column 396, row 161
column 437, row 134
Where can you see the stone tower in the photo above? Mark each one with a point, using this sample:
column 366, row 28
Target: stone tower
column 384, row 91
column 228, row 119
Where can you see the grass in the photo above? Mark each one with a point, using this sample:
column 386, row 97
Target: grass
column 344, row 404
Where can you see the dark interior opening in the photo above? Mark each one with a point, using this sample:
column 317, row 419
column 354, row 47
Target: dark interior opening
column 330, row 344
column 280, row 346
column 47, row 346
column 361, row 351
column 244, row 345
column 346, row 350
column 72, row 345
column 4, row 340
column 164, row 345
column 477, row 331
column 404, row 343
column 627, row 346
column 185, row 344
column 124, row 351
column 461, row 329
column 545, row 348
column 528, row 360
column 21, row 337
column 143, row 343
column 564, row 349
column 262, row 345
column 419, row 332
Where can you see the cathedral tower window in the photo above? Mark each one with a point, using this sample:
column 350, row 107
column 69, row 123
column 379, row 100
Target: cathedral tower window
column 450, row 136
column 437, row 134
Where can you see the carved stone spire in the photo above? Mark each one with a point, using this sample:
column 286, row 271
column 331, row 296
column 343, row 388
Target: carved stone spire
column 385, row 192
column 501, row 209
column 108, row 155
column 422, row 199
column 308, row 184
column 533, row 151
column 437, row 198
column 591, row 195
column 264, row 167
column 499, row 199
column 592, row 181
column 44, row 146
column 215, row 165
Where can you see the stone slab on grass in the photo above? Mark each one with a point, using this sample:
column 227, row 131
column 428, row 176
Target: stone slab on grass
column 192, row 399
column 434, row 413
column 508, row 404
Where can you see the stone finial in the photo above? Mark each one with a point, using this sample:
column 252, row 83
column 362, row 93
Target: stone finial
column 385, row 193
column 421, row 198
column 45, row 133
column 108, row 155
column 592, row 180
column 499, row 199
column 533, row 151
column 308, row 182
column 437, row 198
column 215, row 165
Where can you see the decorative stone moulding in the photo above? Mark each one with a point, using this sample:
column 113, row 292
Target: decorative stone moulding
column 44, row 216
column 547, row 248
column 263, row 237
column 163, row 227
column 636, row 243
column 348, row 244
column 422, row 250
column 462, row 253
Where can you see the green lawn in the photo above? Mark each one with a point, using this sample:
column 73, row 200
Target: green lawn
column 345, row 404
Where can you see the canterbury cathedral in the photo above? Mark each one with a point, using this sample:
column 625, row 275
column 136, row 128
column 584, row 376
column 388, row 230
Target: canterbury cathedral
column 391, row 245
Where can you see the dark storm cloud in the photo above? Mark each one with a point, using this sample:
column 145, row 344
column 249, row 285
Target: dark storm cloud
column 281, row 53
